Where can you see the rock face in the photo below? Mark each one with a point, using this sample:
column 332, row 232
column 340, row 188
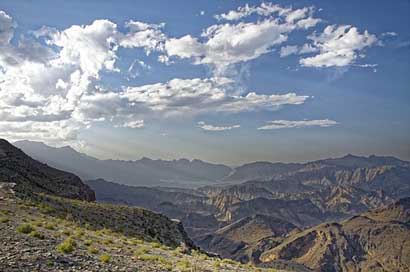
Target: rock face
column 374, row 241
column 33, row 176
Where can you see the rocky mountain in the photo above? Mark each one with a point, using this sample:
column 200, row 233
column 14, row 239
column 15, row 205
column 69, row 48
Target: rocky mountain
column 31, row 175
column 143, row 172
column 374, row 241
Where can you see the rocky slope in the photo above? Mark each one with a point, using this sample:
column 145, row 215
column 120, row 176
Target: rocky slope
column 374, row 241
column 240, row 239
column 50, row 233
column 33, row 176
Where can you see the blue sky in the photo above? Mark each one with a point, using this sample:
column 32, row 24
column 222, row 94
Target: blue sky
column 223, row 81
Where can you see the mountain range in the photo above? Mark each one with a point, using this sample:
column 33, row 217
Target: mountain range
column 318, row 215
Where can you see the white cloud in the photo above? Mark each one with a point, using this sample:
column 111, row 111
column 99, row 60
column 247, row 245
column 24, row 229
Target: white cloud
column 143, row 35
column 338, row 46
column 194, row 96
column 268, row 9
column 7, row 26
column 279, row 124
column 92, row 47
column 51, row 85
column 222, row 45
column 229, row 44
column 209, row 127
column 50, row 91
column 288, row 50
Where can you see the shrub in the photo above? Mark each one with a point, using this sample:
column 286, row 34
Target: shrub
column 67, row 246
column 37, row 235
column 25, row 228
column 141, row 251
column 4, row 220
column 50, row 226
column 92, row 250
column 46, row 209
column 105, row 258
column 148, row 258
column 183, row 265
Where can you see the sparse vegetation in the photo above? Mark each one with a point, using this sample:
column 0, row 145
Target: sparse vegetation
column 37, row 235
column 92, row 250
column 25, row 228
column 67, row 246
column 105, row 258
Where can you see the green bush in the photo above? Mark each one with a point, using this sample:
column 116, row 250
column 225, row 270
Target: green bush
column 25, row 228
column 67, row 246
column 105, row 258
column 50, row 226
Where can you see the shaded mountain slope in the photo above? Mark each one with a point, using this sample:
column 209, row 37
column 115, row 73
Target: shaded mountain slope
column 33, row 176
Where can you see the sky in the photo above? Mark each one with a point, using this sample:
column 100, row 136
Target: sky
column 222, row 81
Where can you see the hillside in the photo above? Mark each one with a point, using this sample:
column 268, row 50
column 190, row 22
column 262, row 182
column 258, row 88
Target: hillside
column 373, row 241
column 49, row 233
column 33, row 176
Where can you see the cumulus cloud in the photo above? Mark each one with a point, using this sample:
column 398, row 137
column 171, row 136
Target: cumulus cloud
column 143, row 35
column 338, row 46
column 194, row 96
column 209, row 127
column 51, row 83
column 226, row 44
column 279, row 124
column 49, row 90
column 52, row 89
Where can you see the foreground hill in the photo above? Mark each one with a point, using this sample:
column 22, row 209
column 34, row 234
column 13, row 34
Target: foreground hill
column 49, row 233
column 374, row 241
